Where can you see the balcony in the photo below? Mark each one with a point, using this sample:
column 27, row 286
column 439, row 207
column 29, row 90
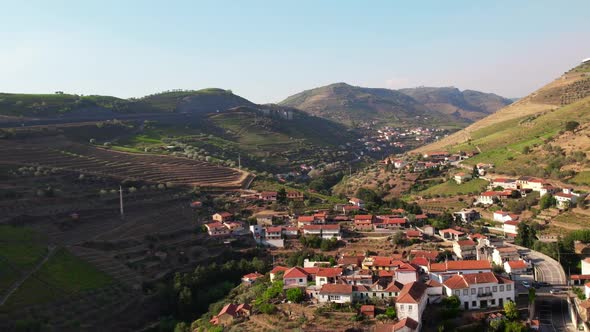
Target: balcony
column 488, row 294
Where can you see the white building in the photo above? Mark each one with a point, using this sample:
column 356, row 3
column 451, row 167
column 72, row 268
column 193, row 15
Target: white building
column 504, row 254
column 337, row 293
column 504, row 183
column 587, row 290
column 586, row 267
column 411, row 302
column 465, row 249
column 443, row 271
column 567, row 198
column 510, row 228
column 517, row 267
column 323, row 231
column 467, row 215
column 462, row 177
column 480, row 290
column 503, row 216
column 529, row 182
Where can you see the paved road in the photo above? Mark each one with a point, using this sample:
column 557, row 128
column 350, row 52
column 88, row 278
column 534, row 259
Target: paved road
column 553, row 314
column 548, row 269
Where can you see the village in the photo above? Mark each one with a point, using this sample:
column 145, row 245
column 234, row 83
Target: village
column 478, row 269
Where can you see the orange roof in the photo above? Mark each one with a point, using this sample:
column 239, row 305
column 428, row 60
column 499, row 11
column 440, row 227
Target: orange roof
column 363, row 217
column 517, row 264
column 585, row 304
column 278, row 269
column 368, row 308
column 460, row 281
column 322, row 227
column 276, row 229
column 413, row 233
column 391, row 221
column 430, row 254
column 452, row 231
column 411, row 293
column 420, row 261
column 229, row 309
column 465, row 243
column 330, row 272
column 295, row 272
column 224, row 214
column 336, row 289
column 305, row 219
column 406, row 323
column 254, row 275
column 461, row 265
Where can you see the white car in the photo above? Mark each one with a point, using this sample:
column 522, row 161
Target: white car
column 555, row 291
column 526, row 284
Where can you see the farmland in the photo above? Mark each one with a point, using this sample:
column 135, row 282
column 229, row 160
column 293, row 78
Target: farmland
column 451, row 188
column 151, row 168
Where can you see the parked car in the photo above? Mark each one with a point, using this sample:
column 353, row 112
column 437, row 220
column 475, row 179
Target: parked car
column 556, row 291
column 526, row 284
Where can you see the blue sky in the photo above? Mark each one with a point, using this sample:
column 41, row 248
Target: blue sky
column 268, row 50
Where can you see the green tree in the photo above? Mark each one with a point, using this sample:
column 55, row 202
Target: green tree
column 181, row 327
column 547, row 201
column 514, row 327
column 295, row 295
column 497, row 325
column 526, row 235
column 282, row 196
column 390, row 313
column 511, row 310
column 571, row 125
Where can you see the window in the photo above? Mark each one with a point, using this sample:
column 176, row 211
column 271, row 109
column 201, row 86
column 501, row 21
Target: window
column 479, row 290
column 487, row 290
column 501, row 288
column 300, row 280
column 457, row 292
column 494, row 288
column 472, row 291
column 473, row 303
column 374, row 294
column 508, row 287
column 389, row 293
column 409, row 308
column 465, row 292
column 493, row 301
column 401, row 307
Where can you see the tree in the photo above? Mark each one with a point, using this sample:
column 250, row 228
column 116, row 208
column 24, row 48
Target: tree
column 295, row 295
column 497, row 325
column 399, row 238
column 390, row 313
column 547, row 201
column 511, row 310
column 282, row 196
column 526, row 235
column 571, row 125
column 514, row 327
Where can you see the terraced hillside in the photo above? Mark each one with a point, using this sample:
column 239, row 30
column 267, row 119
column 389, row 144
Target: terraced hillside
column 571, row 87
column 62, row 154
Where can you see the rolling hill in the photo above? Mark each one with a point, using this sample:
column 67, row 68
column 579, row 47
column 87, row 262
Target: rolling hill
column 542, row 134
column 353, row 106
column 468, row 104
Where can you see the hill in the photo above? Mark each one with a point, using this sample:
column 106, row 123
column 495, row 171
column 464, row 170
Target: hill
column 468, row 104
column 353, row 106
column 543, row 134
column 69, row 105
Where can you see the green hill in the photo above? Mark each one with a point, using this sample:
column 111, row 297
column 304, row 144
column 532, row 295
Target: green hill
column 532, row 136
column 352, row 106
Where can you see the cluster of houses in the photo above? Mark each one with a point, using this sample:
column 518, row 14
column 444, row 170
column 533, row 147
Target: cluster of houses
column 388, row 138
column 222, row 224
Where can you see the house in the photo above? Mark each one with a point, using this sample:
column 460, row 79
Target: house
column 295, row 277
column 529, row 182
column 268, row 236
column 327, row 276
column 337, row 293
column 516, row 267
column 504, row 254
column 391, row 223
column 586, row 267
column 503, row 216
column 467, row 215
column 304, row 221
column 323, row 231
column 364, row 222
column 480, row 290
column 217, row 229
column 234, row 226
column 413, row 234
column 265, row 219
column 348, row 209
column 462, row 177
column 567, row 198
column 464, row 249
column 273, row 233
column 450, row 234
column 587, row 290
column 222, row 217
column 376, row 263
column 320, row 217
column 295, row 195
column 505, row 183
column 428, row 230
column 491, row 197
column 367, row 311
column 357, row 202
column 404, row 325
column 275, row 271
column 406, row 273
column 442, row 271
column 291, row 231
column 511, row 228
column 269, row 196
column 411, row 302
column 230, row 312
column 547, row 189
column 250, row 278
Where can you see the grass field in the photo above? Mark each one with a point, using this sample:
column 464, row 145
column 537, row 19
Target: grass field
column 582, row 178
column 20, row 249
column 62, row 275
column 451, row 188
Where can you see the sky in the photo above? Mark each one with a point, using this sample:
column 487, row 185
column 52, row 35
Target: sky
column 267, row 50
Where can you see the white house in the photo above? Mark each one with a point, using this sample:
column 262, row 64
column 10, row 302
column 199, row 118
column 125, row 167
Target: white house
column 357, row 202
column 504, row 254
column 295, row 276
column 327, row 275
column 504, row 183
column 480, row 290
column 337, row 293
column 217, row 229
column 529, row 182
column 586, row 266
column 503, row 216
column 467, row 215
column 442, row 271
column 587, row 290
column 566, row 198
column 411, row 302
column 465, row 249
column 517, row 267
column 323, row 231
column 510, row 228
column 491, row 197
column 462, row 177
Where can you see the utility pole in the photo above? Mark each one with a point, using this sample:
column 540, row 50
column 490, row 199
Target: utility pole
column 239, row 162
column 121, row 202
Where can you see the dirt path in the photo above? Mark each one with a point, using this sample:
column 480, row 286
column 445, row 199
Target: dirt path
column 20, row 281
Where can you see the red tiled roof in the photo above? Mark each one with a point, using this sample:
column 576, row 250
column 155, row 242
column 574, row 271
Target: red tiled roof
column 332, row 227
column 350, row 260
column 452, row 231
column 411, row 293
column 350, row 207
column 330, row 272
column 311, row 270
column 460, row 281
column 305, row 219
column 278, row 269
column 336, row 289
column 224, row 214
column 276, row 229
column 229, row 309
column 394, row 221
column 295, row 272
column 564, row 195
column 254, row 275
column 511, row 222
column 461, row 265
column 420, row 261
column 421, row 216
column 406, row 323
column 363, row 217
column 394, row 287
column 465, row 243
column 430, row 254
column 214, row 225
column 384, row 273
column 413, row 233
column 367, row 308
column 580, row 277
